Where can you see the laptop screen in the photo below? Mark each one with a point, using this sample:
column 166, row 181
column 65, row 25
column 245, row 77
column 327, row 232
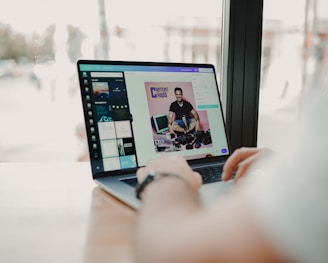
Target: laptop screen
column 135, row 111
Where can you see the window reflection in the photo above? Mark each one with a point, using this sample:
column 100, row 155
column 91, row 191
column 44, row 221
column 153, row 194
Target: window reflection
column 40, row 104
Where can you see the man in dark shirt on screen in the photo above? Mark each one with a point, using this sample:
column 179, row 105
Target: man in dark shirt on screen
column 186, row 117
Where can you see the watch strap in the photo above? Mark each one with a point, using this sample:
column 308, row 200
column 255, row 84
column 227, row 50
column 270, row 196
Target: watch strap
column 152, row 175
column 141, row 186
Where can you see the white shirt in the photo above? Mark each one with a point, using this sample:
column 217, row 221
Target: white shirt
column 289, row 194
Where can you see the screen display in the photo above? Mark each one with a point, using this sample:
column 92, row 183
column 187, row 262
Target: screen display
column 136, row 112
column 160, row 123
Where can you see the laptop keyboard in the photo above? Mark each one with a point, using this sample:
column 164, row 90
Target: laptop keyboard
column 209, row 174
column 131, row 181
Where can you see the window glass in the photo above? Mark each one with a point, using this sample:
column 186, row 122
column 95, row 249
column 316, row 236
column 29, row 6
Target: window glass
column 294, row 61
column 41, row 40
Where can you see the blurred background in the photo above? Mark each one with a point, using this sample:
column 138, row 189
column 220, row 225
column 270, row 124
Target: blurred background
column 41, row 40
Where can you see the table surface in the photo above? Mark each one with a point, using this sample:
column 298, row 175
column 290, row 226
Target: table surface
column 54, row 212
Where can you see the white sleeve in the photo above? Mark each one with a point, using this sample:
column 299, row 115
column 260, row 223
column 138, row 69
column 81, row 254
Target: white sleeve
column 289, row 197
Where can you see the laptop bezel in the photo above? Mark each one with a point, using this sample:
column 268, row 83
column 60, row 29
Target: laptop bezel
column 132, row 171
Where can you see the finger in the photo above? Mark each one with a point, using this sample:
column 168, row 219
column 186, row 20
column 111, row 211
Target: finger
column 229, row 167
column 231, row 164
column 244, row 167
column 235, row 159
column 141, row 173
column 198, row 181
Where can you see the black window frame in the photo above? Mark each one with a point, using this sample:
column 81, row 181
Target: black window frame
column 243, row 72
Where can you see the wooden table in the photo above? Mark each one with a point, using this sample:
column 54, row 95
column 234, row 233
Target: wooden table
column 53, row 212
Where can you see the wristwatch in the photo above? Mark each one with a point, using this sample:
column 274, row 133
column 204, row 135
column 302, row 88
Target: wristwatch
column 140, row 187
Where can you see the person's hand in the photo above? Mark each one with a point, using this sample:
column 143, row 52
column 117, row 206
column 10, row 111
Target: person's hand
column 175, row 165
column 171, row 131
column 240, row 161
column 172, row 134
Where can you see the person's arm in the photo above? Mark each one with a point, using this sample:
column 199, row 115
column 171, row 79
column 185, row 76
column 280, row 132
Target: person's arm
column 196, row 117
column 241, row 160
column 170, row 121
column 173, row 226
column 195, row 114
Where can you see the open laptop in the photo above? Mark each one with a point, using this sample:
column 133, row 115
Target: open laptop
column 126, row 107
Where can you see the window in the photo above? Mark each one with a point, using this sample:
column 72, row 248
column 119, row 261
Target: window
column 40, row 105
column 294, row 61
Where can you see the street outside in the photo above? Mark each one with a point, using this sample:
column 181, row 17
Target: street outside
column 41, row 124
column 37, row 125
column 42, row 116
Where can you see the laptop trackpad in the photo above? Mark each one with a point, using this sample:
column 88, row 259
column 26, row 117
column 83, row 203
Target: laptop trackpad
column 211, row 192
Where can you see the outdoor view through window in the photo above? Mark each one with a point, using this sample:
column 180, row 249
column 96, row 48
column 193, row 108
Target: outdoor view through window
column 294, row 61
column 41, row 40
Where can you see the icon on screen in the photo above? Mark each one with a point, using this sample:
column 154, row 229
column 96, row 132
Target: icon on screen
column 224, row 150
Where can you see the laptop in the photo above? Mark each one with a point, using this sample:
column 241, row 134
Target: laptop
column 126, row 107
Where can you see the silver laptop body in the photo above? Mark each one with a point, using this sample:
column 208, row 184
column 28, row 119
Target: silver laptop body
column 125, row 107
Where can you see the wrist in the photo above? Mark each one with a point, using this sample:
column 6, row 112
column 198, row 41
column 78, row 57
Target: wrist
column 155, row 176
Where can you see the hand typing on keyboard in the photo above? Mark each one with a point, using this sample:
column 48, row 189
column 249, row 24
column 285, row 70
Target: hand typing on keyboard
column 240, row 161
column 210, row 174
column 176, row 165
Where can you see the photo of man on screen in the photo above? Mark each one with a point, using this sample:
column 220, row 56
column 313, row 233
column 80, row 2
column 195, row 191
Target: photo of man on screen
column 182, row 117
